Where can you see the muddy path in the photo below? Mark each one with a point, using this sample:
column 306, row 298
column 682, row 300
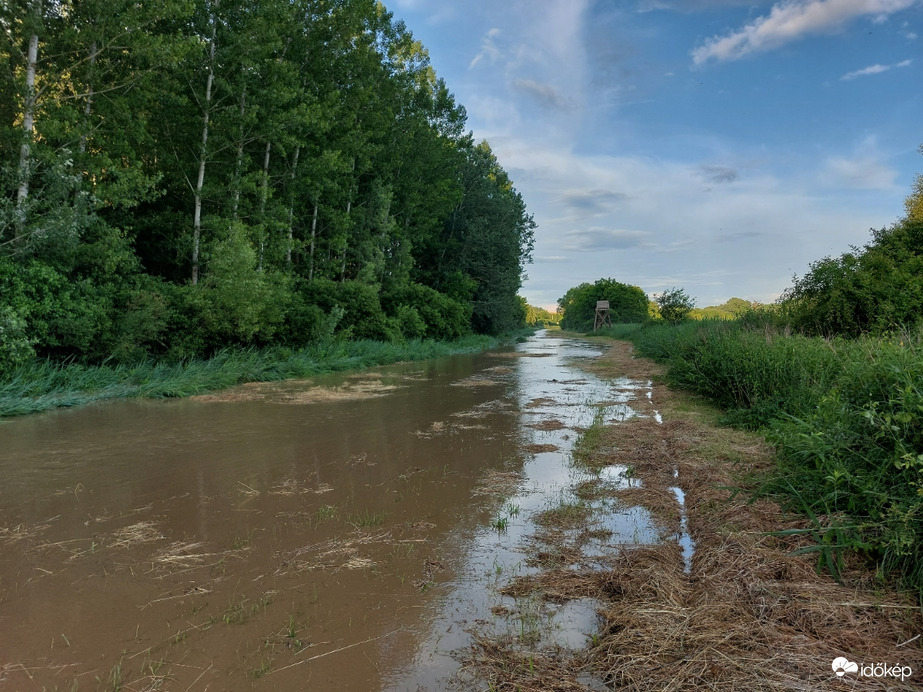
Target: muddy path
column 720, row 599
column 347, row 532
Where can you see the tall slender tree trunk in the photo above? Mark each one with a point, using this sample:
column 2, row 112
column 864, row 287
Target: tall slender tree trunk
column 313, row 236
column 239, row 164
column 264, row 195
column 88, row 105
column 291, row 211
column 203, row 151
column 349, row 206
column 28, row 125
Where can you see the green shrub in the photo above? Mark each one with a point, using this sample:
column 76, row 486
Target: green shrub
column 870, row 290
column 238, row 303
column 857, row 457
column 363, row 317
column 442, row 316
column 846, row 417
column 15, row 346
column 409, row 322
column 674, row 305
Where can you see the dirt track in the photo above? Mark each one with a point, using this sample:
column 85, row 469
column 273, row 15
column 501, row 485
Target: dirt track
column 745, row 614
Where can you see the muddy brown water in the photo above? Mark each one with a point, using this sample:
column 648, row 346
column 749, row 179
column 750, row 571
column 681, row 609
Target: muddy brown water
column 340, row 533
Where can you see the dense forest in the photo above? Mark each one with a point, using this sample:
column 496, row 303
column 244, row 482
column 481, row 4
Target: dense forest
column 182, row 175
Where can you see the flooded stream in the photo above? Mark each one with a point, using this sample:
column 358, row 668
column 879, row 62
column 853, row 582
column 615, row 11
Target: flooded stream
column 349, row 532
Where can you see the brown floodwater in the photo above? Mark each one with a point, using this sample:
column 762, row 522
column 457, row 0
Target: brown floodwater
column 345, row 532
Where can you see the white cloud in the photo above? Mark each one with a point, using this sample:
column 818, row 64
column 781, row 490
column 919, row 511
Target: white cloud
column 657, row 223
column 489, row 49
column 791, row 20
column 874, row 69
column 862, row 173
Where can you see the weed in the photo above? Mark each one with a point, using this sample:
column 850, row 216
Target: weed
column 291, row 635
column 325, row 513
column 531, row 619
column 114, row 682
column 241, row 612
column 566, row 514
column 366, row 518
column 178, row 637
column 264, row 668
column 843, row 415
column 584, row 451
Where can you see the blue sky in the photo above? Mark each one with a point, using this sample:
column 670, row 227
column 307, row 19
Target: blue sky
column 715, row 145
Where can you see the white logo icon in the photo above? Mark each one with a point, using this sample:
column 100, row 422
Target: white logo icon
column 841, row 666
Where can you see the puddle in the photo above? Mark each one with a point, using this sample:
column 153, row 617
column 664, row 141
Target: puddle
column 473, row 605
column 685, row 540
column 348, row 530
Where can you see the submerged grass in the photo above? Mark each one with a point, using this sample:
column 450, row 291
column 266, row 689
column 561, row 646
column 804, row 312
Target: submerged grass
column 45, row 385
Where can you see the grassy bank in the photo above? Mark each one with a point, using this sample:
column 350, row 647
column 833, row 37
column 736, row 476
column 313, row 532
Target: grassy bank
column 747, row 612
column 845, row 416
column 44, row 385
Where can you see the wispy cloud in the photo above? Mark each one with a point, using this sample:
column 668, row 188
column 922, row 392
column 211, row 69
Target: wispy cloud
column 874, row 69
column 489, row 49
column 606, row 239
column 861, row 173
column 592, row 201
column 719, row 174
column 791, row 20
column 545, row 94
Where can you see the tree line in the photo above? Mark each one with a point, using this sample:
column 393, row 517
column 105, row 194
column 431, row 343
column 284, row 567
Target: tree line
column 182, row 175
column 874, row 290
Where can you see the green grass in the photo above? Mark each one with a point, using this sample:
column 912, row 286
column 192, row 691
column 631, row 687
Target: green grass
column 845, row 416
column 584, row 452
column 44, row 385
column 365, row 518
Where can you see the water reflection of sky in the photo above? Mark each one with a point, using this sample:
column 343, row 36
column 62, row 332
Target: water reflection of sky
column 545, row 384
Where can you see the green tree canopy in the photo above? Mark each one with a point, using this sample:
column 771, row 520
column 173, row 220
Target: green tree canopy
column 578, row 306
column 231, row 172
column 871, row 289
column 674, row 305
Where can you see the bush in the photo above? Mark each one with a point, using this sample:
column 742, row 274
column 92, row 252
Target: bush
column 363, row 317
column 857, row 456
column 63, row 315
column 442, row 317
column 674, row 305
column 870, row 290
column 409, row 322
column 140, row 319
column 15, row 346
column 755, row 376
column 238, row 303
column 844, row 416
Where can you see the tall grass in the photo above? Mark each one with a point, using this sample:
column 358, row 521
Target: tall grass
column 846, row 417
column 44, row 385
